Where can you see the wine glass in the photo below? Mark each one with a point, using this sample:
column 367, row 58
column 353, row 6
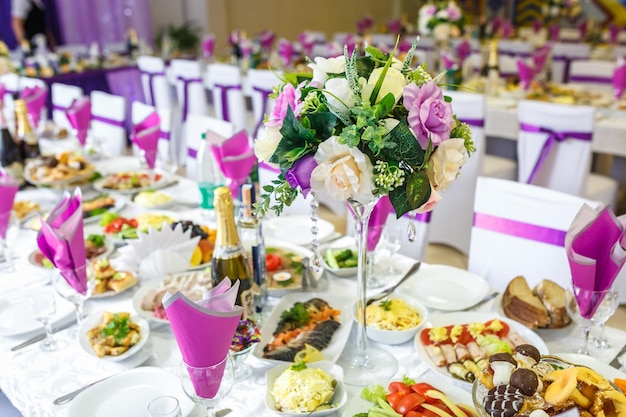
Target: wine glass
column 65, row 290
column 241, row 369
column 42, row 305
column 580, row 304
column 6, row 241
column 601, row 342
column 392, row 241
column 164, row 406
column 208, row 385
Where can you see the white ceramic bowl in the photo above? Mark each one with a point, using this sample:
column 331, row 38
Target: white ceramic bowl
column 339, row 398
column 346, row 242
column 397, row 337
column 94, row 319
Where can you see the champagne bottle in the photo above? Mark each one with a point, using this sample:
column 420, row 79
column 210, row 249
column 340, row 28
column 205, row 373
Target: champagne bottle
column 229, row 257
column 251, row 234
column 10, row 153
column 29, row 142
column 493, row 72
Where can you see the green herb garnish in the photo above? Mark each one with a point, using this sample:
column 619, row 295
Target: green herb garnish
column 118, row 328
column 385, row 305
column 297, row 313
column 408, row 381
column 97, row 240
column 298, row 366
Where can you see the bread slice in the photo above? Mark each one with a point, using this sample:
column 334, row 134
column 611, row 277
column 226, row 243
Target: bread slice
column 519, row 303
column 121, row 281
column 552, row 296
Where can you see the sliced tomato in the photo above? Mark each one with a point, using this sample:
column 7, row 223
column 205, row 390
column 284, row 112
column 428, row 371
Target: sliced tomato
column 410, row 402
column 398, row 386
column 394, row 399
column 422, row 387
column 415, row 413
column 424, row 337
column 428, row 413
column 503, row 332
column 272, row 262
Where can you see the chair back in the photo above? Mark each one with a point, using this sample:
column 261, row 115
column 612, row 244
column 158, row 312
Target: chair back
column 226, row 83
column 62, row 97
column 593, row 73
column 426, row 51
column 154, row 82
column 509, row 51
column 452, row 217
column 115, row 47
column 261, row 84
column 197, row 125
column 519, row 229
column 139, row 111
column 108, row 121
column 563, row 54
column 554, row 145
column 11, row 83
column 190, row 88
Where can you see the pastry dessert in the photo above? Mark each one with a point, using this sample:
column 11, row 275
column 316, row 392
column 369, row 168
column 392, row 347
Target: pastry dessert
column 108, row 279
column 553, row 298
column 519, row 303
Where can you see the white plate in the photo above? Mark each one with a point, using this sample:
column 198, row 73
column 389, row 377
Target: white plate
column 128, row 394
column 110, row 247
column 296, row 229
column 164, row 205
column 163, row 182
column 16, row 318
column 334, row 349
column 117, row 206
column 340, row 397
column 444, row 287
column 346, row 242
column 602, row 368
column 138, row 297
column 457, row 395
column 298, row 250
column 497, row 305
column 448, row 319
column 94, row 319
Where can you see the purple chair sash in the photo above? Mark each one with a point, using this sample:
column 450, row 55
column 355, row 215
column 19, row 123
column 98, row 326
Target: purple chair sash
column 106, row 120
column 192, row 153
column 423, row 217
column 264, row 94
column 269, row 168
column 515, row 54
column 553, row 136
column 224, row 89
column 164, row 135
column 151, row 76
column 590, row 79
column 474, row 122
column 567, row 60
column 59, row 107
column 519, row 229
column 186, row 82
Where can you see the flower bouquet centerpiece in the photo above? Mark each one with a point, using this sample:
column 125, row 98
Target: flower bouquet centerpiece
column 357, row 128
column 441, row 19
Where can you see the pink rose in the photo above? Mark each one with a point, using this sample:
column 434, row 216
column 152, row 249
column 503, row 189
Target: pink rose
column 289, row 97
column 454, row 13
column 429, row 114
column 431, row 203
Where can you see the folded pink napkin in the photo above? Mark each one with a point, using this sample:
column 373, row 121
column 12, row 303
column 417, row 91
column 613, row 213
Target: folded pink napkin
column 554, row 32
column 614, row 31
column 350, row 42
column 507, row 30
column 8, row 189
column 537, row 24
column 61, row 240
column 526, row 73
column 307, row 40
column 463, row 50
column 266, row 39
column 496, row 23
column 596, row 250
column 285, row 50
column 204, row 330
column 619, row 81
column 146, row 136
column 79, row 116
column 35, row 99
column 234, row 156
column 394, row 26
column 208, row 44
column 449, row 62
column 246, row 47
column 582, row 29
column 3, row 91
column 540, row 56
column 377, row 221
column 404, row 45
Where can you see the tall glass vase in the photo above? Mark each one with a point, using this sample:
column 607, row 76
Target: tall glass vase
column 364, row 365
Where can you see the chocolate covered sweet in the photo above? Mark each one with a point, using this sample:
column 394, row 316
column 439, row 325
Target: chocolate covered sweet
column 528, row 355
column 525, row 380
column 503, row 401
column 502, row 365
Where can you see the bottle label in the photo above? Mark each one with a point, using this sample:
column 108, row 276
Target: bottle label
column 208, row 191
column 247, row 298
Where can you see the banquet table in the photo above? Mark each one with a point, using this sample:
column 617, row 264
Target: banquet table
column 32, row 379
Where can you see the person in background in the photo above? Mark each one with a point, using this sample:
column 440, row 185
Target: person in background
column 28, row 18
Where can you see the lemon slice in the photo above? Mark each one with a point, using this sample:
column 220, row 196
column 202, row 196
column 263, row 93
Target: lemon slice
column 308, row 355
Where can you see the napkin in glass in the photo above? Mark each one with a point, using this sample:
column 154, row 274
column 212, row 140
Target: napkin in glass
column 234, row 156
column 3, row 91
column 79, row 116
column 285, row 50
column 614, row 31
column 208, row 44
column 526, row 73
column 596, row 251
column 266, row 38
column 554, row 31
column 619, row 81
column 204, row 329
column 464, row 50
column 540, row 56
column 35, row 99
column 61, row 240
column 8, row 189
column 145, row 135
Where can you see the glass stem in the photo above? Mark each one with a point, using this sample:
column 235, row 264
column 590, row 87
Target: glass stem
column 585, row 330
column 210, row 411
column 78, row 309
column 8, row 256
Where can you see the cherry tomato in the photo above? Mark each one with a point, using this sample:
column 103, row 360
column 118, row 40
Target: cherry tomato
column 272, row 262
column 394, row 399
column 422, row 387
column 398, row 386
column 410, row 402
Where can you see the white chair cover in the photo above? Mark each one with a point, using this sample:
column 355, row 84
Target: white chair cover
column 509, row 51
column 592, row 73
column 567, row 161
column 563, row 54
column 108, row 117
column 571, row 35
column 451, row 221
column 154, row 82
column 475, row 59
column 11, row 82
column 426, row 51
column 519, row 229
column 225, row 82
column 387, row 40
column 139, row 111
column 189, row 87
column 261, row 83
column 62, row 97
column 197, row 125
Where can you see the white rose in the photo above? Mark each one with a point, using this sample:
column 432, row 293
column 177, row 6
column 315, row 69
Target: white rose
column 441, row 32
column 339, row 89
column 265, row 146
column 445, row 163
column 442, row 14
column 393, row 83
column 324, row 66
column 342, row 172
column 397, row 64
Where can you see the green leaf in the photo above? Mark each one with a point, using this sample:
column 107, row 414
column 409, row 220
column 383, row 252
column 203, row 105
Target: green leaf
column 376, row 53
column 364, row 66
column 384, row 106
column 296, row 78
column 323, row 123
column 294, row 143
column 447, row 99
column 379, row 82
column 407, row 148
column 413, row 194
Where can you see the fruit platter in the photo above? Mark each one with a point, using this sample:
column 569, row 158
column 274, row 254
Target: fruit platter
column 122, row 228
column 525, row 382
column 130, row 182
column 94, row 208
column 61, row 169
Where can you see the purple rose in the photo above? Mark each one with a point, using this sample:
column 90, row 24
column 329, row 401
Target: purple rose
column 289, row 97
column 299, row 175
column 429, row 114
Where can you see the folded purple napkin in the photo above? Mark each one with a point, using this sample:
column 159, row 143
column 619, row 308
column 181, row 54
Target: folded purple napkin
column 285, row 51
column 526, row 73
column 619, row 81
column 208, row 44
column 146, row 136
column 235, row 157
column 79, row 116
column 35, row 99
column 8, row 189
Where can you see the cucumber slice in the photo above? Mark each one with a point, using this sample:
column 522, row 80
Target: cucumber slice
column 330, row 258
